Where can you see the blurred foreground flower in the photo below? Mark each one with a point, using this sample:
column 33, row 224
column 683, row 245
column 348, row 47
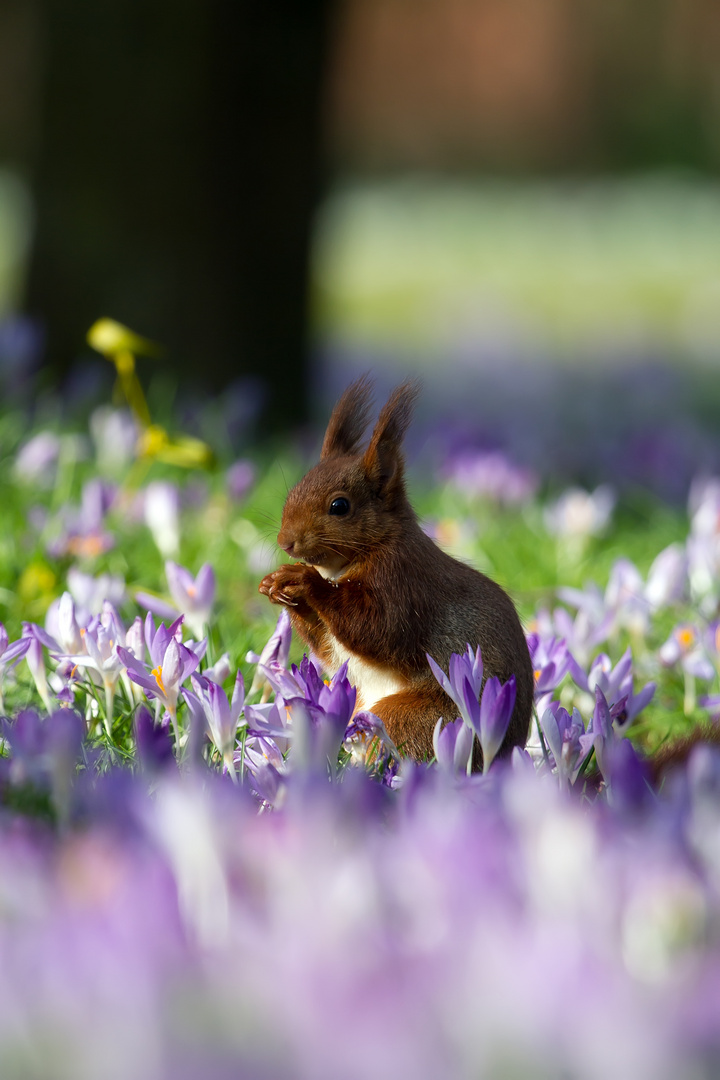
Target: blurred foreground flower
column 197, row 921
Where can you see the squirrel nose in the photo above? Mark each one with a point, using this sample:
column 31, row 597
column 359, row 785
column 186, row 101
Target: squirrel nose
column 285, row 544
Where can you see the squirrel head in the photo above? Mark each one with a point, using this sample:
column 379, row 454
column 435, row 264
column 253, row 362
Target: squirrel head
column 353, row 500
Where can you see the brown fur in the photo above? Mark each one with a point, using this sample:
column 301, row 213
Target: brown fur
column 397, row 596
column 675, row 753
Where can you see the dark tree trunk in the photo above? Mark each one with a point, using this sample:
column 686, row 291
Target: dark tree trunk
column 178, row 171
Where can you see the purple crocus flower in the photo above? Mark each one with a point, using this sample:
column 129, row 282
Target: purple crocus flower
column 704, row 507
column 667, row 578
column 39, row 639
column 628, row 779
column 10, row 655
column 577, row 513
column 703, row 571
column 36, row 461
column 367, row 730
column 592, row 624
column 239, row 478
column 303, row 681
column 265, row 777
column 616, row 683
column 172, row 663
column 320, row 712
column 269, row 734
column 703, row 544
column 62, row 625
column 685, row 647
column 488, row 716
column 464, row 670
column 335, row 698
column 220, row 670
column 317, row 737
column 453, row 746
column 496, row 708
column 153, row 740
column 600, row 729
column 192, row 596
column 551, row 662
column 115, row 434
column 222, row 717
column 45, row 751
column 83, row 533
column 101, row 639
column 162, row 516
column 711, row 702
column 625, row 597
column 90, row 593
column 711, row 641
column 567, row 741
column 491, row 474
column 155, row 604
column 274, row 656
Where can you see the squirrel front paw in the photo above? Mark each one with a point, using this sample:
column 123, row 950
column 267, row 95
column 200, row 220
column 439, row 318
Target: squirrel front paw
column 287, row 585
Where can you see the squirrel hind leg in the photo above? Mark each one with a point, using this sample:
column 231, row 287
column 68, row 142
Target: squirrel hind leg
column 410, row 717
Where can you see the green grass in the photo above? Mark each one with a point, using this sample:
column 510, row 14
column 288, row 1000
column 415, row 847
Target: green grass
column 418, row 261
column 510, row 544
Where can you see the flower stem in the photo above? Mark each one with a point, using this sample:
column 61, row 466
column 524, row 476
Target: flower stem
column 176, row 731
column 690, row 695
column 109, row 699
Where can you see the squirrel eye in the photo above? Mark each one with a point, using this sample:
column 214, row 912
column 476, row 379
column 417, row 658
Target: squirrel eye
column 339, row 506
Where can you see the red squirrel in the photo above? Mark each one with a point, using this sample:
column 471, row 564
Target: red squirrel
column 372, row 588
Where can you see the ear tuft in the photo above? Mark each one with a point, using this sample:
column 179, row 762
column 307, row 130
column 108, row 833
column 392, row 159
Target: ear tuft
column 383, row 458
column 348, row 420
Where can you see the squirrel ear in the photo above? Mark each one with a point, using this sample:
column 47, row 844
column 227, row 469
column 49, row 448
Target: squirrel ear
column 383, row 460
column 348, row 420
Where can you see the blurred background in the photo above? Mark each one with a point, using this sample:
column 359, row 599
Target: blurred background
column 517, row 199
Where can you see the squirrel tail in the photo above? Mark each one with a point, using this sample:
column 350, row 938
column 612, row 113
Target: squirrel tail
column 676, row 752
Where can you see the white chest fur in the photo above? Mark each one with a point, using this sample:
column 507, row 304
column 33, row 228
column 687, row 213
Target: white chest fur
column 372, row 681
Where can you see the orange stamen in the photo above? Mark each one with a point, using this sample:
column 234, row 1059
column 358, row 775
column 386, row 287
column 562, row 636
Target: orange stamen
column 157, row 672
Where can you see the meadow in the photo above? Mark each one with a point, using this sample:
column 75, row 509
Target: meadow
column 204, row 872
column 201, row 871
